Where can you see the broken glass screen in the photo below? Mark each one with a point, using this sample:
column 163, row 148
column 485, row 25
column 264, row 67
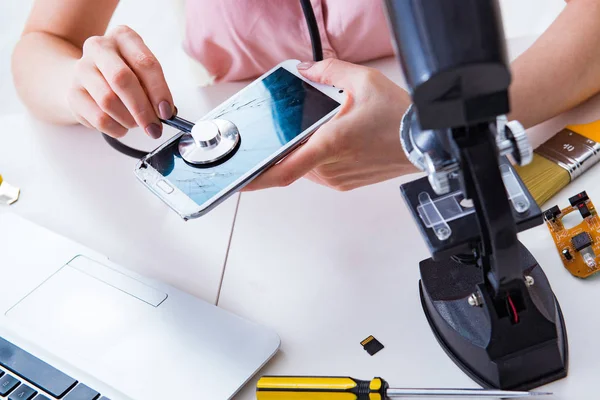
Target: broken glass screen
column 268, row 115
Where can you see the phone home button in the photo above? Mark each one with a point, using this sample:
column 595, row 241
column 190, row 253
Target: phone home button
column 164, row 186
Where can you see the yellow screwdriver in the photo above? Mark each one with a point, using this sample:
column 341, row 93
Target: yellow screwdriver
column 344, row 388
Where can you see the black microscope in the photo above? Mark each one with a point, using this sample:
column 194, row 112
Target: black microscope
column 486, row 298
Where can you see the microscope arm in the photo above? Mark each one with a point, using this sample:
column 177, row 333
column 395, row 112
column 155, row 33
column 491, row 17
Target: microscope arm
column 495, row 314
column 454, row 59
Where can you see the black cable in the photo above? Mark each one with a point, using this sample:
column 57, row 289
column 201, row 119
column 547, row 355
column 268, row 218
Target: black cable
column 313, row 30
column 123, row 148
column 317, row 50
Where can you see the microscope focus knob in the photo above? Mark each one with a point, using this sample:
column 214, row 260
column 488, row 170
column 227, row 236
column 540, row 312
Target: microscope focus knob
column 522, row 151
column 512, row 140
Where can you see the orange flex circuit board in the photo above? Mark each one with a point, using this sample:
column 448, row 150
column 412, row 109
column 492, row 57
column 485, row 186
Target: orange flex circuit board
column 578, row 246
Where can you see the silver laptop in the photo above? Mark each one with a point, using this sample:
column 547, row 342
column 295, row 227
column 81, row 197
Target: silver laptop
column 75, row 326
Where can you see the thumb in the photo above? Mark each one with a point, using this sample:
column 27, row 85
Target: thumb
column 331, row 72
column 291, row 168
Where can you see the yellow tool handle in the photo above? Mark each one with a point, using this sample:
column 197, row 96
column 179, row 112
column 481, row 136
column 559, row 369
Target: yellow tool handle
column 590, row 131
column 319, row 388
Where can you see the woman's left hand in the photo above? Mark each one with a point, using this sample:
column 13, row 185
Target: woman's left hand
column 360, row 145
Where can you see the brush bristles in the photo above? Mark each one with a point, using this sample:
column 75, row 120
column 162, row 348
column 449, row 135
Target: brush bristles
column 543, row 178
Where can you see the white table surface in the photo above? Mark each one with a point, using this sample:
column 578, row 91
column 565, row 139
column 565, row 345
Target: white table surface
column 304, row 260
column 74, row 184
column 327, row 269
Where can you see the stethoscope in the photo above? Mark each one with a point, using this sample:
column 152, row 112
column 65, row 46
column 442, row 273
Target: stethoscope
column 207, row 142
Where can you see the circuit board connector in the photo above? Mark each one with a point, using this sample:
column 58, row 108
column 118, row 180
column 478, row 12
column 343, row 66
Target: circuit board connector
column 579, row 245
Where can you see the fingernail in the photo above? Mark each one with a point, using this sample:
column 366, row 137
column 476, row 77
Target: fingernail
column 165, row 110
column 305, row 65
column 154, row 131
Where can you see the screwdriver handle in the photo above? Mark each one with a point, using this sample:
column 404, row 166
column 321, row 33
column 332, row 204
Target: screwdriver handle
column 319, row 388
column 590, row 130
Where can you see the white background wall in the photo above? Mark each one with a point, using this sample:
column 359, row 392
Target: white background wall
column 160, row 22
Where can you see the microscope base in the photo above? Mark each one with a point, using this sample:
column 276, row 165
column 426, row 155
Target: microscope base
column 492, row 350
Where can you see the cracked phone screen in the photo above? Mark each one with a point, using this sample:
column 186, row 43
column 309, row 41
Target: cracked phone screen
column 268, row 115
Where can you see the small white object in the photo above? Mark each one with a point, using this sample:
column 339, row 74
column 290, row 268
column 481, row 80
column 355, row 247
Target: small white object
column 9, row 194
column 529, row 281
column 474, row 300
column 589, row 259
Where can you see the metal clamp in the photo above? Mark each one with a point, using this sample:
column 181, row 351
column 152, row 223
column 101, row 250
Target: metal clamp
column 571, row 151
column 415, row 157
column 429, row 155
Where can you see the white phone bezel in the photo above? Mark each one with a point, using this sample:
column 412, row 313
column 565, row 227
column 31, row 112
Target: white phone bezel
column 188, row 208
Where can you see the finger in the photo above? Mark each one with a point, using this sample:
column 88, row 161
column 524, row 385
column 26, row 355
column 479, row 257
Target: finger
column 83, row 121
column 332, row 72
column 125, row 84
column 148, row 70
column 91, row 115
column 292, row 168
column 103, row 95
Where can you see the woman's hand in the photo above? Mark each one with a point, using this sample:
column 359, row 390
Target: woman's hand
column 360, row 145
column 119, row 84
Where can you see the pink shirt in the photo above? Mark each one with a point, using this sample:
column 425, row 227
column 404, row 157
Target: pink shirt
column 240, row 39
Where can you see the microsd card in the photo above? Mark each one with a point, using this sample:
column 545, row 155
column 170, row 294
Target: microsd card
column 371, row 345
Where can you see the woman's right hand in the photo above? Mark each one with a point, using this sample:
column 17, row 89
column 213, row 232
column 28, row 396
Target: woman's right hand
column 119, row 84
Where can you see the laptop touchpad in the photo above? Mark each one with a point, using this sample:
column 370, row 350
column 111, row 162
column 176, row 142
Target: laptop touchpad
column 86, row 301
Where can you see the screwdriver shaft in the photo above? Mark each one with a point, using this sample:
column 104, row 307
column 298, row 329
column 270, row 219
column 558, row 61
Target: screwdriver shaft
column 320, row 387
column 460, row 393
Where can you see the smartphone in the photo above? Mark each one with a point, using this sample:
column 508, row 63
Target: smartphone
column 274, row 115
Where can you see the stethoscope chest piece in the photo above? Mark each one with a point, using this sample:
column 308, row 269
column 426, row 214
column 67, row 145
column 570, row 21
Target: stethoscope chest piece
column 209, row 141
